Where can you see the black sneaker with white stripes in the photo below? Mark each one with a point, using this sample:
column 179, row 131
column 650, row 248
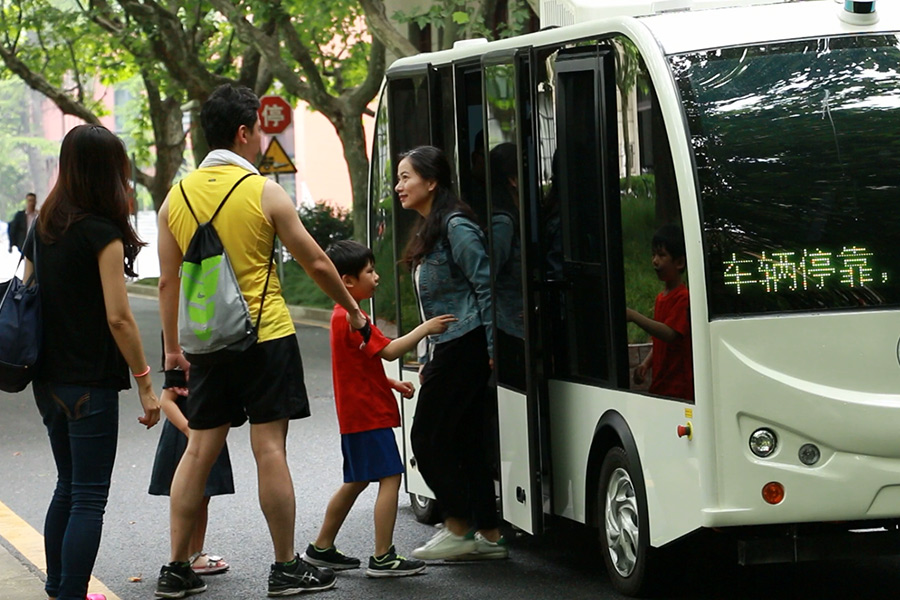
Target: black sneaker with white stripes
column 331, row 558
column 287, row 579
column 177, row 580
column 393, row 565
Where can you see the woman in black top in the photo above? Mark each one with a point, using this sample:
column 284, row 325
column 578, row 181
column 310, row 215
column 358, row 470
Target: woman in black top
column 83, row 246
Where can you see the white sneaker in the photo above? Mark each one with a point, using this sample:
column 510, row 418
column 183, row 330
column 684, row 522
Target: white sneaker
column 486, row 550
column 445, row 544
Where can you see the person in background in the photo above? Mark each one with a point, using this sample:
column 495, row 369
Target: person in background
column 21, row 223
column 82, row 248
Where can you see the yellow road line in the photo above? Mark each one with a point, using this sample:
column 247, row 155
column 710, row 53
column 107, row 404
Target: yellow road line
column 30, row 544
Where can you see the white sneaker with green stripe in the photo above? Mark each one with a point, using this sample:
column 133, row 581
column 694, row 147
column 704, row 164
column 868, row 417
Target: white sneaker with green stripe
column 485, row 550
column 445, row 544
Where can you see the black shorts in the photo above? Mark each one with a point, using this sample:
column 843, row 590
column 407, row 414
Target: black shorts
column 263, row 384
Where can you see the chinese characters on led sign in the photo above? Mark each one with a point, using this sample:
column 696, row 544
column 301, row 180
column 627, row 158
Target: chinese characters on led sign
column 803, row 270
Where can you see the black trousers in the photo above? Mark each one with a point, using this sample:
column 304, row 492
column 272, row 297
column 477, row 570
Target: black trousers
column 449, row 429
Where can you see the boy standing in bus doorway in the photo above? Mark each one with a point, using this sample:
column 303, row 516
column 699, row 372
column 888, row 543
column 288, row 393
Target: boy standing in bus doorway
column 367, row 411
column 670, row 359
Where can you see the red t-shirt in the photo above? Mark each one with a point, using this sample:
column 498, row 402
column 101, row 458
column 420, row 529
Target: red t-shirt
column 673, row 372
column 362, row 394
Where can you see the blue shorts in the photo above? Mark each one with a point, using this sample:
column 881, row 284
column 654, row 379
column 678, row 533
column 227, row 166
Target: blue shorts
column 370, row 455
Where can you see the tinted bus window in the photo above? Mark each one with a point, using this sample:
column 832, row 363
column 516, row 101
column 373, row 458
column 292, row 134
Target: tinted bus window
column 381, row 235
column 798, row 165
column 410, row 126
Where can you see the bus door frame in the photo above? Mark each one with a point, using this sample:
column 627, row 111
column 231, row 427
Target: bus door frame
column 521, row 429
column 608, row 274
column 413, row 480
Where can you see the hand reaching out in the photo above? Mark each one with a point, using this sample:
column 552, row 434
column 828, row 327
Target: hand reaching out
column 439, row 324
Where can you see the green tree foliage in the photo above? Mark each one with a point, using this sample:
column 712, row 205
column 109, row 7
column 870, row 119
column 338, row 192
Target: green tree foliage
column 62, row 51
column 465, row 19
column 20, row 148
column 453, row 19
column 327, row 224
column 319, row 52
column 180, row 51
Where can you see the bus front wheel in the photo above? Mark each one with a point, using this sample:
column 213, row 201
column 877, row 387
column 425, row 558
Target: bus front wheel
column 624, row 526
column 425, row 509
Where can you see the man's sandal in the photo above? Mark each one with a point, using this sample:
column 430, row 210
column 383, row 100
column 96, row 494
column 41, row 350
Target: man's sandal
column 214, row 564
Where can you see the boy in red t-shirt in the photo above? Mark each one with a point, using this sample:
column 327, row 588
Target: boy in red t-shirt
column 367, row 411
column 670, row 359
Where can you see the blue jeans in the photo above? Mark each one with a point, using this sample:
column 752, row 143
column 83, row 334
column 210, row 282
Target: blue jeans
column 83, row 425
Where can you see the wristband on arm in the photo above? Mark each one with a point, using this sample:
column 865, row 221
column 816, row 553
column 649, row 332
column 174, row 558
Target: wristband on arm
column 366, row 332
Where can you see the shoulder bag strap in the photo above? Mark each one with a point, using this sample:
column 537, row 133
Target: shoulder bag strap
column 34, row 246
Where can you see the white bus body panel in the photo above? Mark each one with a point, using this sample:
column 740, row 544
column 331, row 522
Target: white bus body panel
column 516, row 470
column 670, row 464
column 828, row 379
column 698, row 30
column 415, row 484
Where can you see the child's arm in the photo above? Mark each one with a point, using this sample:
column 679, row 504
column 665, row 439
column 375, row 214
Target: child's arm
column 640, row 371
column 171, row 410
column 397, row 348
column 405, row 388
column 659, row 330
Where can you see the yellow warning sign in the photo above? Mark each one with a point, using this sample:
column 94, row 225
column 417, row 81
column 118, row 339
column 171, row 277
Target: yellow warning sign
column 276, row 160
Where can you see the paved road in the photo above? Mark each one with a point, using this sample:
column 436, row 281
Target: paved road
column 564, row 563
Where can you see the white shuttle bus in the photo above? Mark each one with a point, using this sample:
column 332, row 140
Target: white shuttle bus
column 770, row 133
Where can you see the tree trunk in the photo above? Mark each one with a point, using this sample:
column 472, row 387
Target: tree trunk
column 170, row 143
column 37, row 165
column 626, row 140
column 353, row 138
column 199, row 145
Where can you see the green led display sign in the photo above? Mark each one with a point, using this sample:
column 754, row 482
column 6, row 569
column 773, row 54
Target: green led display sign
column 802, row 270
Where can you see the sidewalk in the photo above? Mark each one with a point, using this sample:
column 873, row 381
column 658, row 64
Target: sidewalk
column 19, row 580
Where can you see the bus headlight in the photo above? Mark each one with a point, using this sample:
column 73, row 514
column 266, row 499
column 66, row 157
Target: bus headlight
column 809, row 454
column 763, row 442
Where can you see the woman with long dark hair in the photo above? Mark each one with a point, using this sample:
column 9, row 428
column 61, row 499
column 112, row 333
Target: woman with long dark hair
column 451, row 270
column 83, row 246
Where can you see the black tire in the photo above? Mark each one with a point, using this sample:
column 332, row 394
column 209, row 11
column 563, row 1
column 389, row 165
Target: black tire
column 625, row 527
column 426, row 509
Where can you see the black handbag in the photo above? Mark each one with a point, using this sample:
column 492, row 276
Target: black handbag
column 20, row 330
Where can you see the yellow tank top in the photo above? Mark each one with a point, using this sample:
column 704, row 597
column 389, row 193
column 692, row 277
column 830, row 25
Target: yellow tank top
column 245, row 232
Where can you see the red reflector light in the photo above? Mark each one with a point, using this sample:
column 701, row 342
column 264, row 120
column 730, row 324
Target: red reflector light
column 773, row 492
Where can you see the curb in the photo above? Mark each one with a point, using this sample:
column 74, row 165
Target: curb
column 299, row 314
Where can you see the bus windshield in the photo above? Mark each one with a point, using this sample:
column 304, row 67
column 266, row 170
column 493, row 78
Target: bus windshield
column 797, row 150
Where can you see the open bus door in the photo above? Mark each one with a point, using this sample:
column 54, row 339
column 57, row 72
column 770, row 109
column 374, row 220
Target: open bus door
column 582, row 289
column 511, row 190
column 415, row 93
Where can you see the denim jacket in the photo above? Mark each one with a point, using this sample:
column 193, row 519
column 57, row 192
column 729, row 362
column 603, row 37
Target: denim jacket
column 455, row 278
column 508, row 278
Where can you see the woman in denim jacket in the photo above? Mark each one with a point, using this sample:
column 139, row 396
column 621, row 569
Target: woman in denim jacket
column 451, row 270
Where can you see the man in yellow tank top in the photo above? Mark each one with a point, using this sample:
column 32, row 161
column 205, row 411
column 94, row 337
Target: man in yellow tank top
column 265, row 384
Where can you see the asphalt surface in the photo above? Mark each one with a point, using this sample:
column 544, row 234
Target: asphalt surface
column 564, row 563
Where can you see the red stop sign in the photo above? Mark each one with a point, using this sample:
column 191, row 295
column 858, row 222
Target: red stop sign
column 274, row 114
